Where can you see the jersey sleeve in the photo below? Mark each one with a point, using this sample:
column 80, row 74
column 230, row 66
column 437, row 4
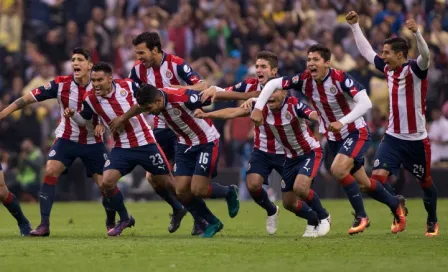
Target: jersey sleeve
column 422, row 74
column 48, row 91
column 246, row 86
column 292, row 82
column 303, row 110
column 193, row 100
column 350, row 86
column 134, row 77
column 187, row 74
column 379, row 63
column 86, row 111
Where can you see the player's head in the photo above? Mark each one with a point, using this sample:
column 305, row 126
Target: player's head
column 101, row 78
column 81, row 62
column 150, row 99
column 266, row 66
column 147, row 47
column 395, row 52
column 318, row 61
column 276, row 100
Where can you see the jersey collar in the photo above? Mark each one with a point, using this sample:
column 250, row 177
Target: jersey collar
column 77, row 84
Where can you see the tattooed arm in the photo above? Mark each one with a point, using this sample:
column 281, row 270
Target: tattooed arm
column 19, row 104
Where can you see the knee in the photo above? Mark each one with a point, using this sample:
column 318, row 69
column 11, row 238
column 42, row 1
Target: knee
column 339, row 170
column 53, row 171
column 290, row 206
column 253, row 185
column 107, row 184
column 199, row 191
column 301, row 190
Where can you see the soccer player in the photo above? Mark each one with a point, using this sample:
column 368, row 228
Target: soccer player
column 406, row 141
column 135, row 145
column 11, row 203
column 340, row 102
column 284, row 119
column 164, row 70
column 71, row 141
column 197, row 152
column 268, row 154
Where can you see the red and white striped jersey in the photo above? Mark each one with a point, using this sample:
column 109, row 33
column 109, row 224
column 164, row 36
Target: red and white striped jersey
column 173, row 70
column 180, row 105
column 264, row 139
column 332, row 99
column 408, row 86
column 290, row 128
column 69, row 95
column 137, row 132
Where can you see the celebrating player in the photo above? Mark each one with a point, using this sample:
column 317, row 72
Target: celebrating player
column 72, row 141
column 406, row 141
column 340, row 102
column 283, row 118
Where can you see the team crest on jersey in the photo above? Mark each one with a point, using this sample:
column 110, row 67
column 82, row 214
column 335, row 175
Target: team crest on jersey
column 107, row 163
column 47, row 86
column 295, row 79
column 52, row 153
column 177, row 112
column 288, row 116
column 283, row 184
column 333, row 89
column 237, row 86
column 377, row 162
column 169, row 75
column 123, row 92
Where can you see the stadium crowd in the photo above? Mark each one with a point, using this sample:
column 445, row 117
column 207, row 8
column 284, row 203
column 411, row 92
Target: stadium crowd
column 220, row 39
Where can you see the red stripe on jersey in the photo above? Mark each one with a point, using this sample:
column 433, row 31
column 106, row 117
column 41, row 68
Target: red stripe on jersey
column 173, row 80
column 309, row 93
column 191, row 123
column 295, row 125
column 317, row 160
column 410, row 103
column 158, row 77
column 142, row 72
column 82, row 130
column 342, row 102
column 423, row 92
column 97, row 107
column 270, row 137
column 176, row 128
column 142, row 123
column 257, row 140
column 118, row 110
column 395, row 111
column 278, row 123
column 65, row 99
column 327, row 109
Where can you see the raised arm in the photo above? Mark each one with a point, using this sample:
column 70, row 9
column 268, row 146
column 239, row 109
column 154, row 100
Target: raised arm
column 224, row 114
column 422, row 46
column 362, row 43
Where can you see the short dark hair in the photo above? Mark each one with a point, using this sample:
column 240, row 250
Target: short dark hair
column 147, row 94
column 102, row 66
column 151, row 39
column 271, row 57
column 398, row 44
column 323, row 51
column 84, row 52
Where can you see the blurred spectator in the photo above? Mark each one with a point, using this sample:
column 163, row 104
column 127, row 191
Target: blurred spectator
column 438, row 134
column 341, row 60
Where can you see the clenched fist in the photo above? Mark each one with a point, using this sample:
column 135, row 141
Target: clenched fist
column 352, row 17
column 411, row 25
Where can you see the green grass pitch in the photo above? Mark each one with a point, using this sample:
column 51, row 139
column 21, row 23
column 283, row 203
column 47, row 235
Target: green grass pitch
column 78, row 242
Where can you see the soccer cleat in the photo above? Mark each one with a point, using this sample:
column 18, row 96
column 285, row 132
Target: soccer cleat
column 272, row 222
column 400, row 216
column 394, row 222
column 25, row 229
column 212, row 229
column 432, row 229
column 110, row 225
column 311, row 231
column 233, row 203
column 324, row 226
column 42, row 230
column 118, row 229
column 198, row 228
column 359, row 225
column 176, row 219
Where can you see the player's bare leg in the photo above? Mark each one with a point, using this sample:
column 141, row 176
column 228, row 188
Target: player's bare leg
column 302, row 188
column 11, row 203
column 110, row 212
column 341, row 170
column 115, row 198
column 164, row 187
column 379, row 176
column 254, row 183
column 298, row 207
column 203, row 188
column 53, row 170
